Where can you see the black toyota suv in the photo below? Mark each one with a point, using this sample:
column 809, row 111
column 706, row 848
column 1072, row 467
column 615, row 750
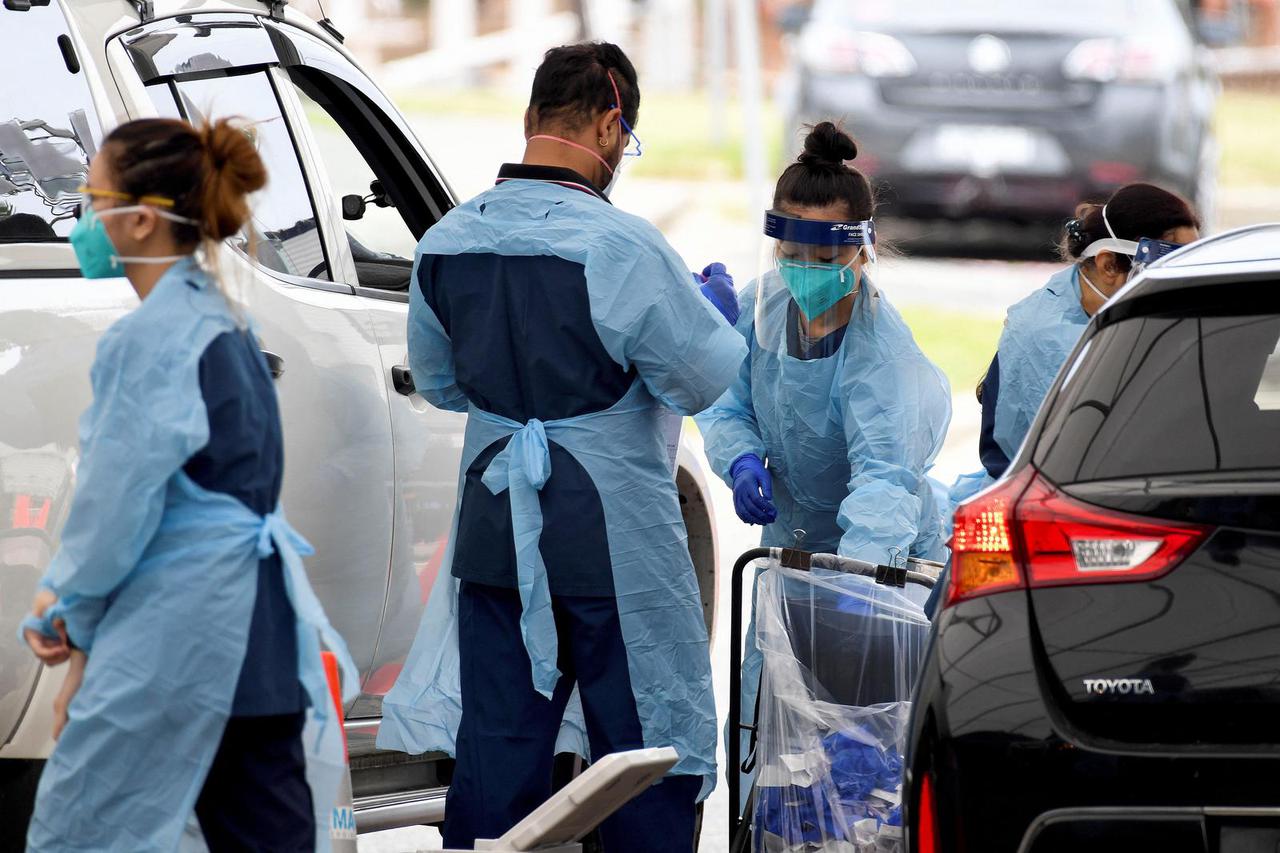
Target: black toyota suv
column 1105, row 674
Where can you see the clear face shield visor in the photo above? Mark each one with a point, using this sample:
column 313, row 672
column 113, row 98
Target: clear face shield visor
column 811, row 276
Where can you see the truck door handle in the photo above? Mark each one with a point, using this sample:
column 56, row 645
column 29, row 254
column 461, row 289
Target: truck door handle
column 274, row 363
column 402, row 380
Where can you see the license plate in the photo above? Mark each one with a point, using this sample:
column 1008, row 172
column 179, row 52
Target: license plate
column 985, row 149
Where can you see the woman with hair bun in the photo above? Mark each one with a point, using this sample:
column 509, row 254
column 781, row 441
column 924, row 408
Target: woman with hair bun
column 1101, row 243
column 836, row 414
column 178, row 591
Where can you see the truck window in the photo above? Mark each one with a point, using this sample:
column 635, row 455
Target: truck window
column 366, row 153
column 284, row 232
column 48, row 131
column 380, row 228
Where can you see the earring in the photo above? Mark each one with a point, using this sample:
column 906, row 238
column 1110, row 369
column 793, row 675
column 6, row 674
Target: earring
column 604, row 143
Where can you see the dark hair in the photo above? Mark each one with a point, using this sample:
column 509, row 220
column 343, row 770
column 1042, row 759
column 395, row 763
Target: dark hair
column 1134, row 211
column 572, row 85
column 820, row 176
column 207, row 172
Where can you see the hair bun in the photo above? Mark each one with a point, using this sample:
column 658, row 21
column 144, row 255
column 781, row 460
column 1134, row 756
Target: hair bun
column 234, row 171
column 828, row 145
column 1085, row 208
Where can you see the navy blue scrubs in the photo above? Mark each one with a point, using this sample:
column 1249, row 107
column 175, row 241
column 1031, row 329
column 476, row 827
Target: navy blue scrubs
column 256, row 788
column 993, row 458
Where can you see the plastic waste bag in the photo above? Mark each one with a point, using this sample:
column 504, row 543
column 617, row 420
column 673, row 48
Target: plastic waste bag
column 841, row 656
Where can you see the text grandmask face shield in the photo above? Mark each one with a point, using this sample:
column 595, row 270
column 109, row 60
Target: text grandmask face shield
column 810, row 277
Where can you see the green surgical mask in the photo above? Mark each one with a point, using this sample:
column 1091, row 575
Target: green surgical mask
column 95, row 252
column 815, row 286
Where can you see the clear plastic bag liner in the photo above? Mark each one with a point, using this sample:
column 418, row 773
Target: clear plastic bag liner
column 841, row 655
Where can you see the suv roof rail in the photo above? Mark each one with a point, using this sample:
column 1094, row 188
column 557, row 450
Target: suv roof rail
column 147, row 8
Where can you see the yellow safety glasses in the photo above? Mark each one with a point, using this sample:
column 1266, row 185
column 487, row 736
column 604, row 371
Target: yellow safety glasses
column 153, row 200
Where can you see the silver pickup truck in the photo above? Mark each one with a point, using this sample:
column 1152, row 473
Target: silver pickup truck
column 371, row 474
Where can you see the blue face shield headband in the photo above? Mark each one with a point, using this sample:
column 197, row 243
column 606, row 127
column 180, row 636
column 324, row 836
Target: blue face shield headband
column 817, row 286
column 1149, row 251
column 816, row 232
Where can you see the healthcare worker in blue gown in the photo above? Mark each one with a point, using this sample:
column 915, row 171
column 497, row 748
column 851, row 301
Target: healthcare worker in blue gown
column 178, row 590
column 836, row 415
column 565, row 328
column 1106, row 245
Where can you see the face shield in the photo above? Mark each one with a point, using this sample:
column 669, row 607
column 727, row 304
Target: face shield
column 1148, row 252
column 810, row 279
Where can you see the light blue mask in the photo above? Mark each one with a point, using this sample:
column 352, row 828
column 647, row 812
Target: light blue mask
column 817, row 287
column 95, row 252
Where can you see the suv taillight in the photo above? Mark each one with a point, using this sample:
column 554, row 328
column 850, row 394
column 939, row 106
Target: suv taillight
column 1025, row 532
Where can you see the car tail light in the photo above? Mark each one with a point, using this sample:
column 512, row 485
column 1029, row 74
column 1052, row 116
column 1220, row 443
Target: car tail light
column 1104, row 60
column 1025, row 532
column 1068, row 541
column 836, row 51
column 927, row 820
column 982, row 554
column 1113, row 172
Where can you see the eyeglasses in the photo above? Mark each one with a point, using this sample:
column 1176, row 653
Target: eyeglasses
column 631, row 134
column 116, row 195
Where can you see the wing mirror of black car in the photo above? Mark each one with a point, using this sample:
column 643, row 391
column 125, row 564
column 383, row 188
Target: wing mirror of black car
column 354, row 206
column 792, row 17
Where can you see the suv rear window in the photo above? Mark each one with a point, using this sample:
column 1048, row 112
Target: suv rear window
column 1160, row 396
column 48, row 127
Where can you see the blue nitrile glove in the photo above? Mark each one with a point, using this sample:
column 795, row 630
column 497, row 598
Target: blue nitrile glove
column 753, row 490
column 717, row 286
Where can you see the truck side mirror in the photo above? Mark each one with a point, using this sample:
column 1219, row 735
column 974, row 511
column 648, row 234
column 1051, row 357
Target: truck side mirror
column 353, row 207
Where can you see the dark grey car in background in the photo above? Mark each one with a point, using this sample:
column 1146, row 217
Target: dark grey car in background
column 1010, row 109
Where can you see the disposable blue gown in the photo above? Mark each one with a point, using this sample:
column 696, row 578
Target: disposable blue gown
column 156, row 579
column 649, row 317
column 848, row 438
column 1039, row 334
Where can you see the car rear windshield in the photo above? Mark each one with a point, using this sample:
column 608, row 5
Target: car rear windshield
column 1168, row 395
column 48, row 128
column 978, row 16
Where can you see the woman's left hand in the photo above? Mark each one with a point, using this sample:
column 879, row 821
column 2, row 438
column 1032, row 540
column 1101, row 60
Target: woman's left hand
column 52, row 651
